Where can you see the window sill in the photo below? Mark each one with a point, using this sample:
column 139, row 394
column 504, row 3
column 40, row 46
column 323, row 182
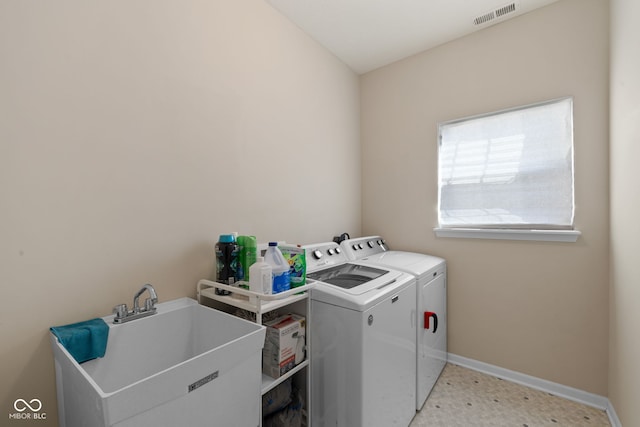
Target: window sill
column 570, row 236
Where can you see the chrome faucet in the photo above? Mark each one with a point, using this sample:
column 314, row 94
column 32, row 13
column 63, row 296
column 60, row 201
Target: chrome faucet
column 149, row 302
column 122, row 314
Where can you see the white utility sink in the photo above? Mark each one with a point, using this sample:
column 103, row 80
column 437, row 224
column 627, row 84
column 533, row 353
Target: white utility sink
column 185, row 365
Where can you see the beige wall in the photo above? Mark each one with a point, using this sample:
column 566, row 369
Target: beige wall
column 533, row 307
column 624, row 370
column 132, row 134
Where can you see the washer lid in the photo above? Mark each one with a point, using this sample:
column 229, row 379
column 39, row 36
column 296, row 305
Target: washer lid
column 348, row 276
column 355, row 278
column 365, row 296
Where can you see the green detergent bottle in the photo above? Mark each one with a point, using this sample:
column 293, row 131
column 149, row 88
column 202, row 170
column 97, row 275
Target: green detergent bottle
column 248, row 253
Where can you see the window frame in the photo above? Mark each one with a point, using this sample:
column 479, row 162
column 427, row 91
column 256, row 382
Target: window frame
column 498, row 231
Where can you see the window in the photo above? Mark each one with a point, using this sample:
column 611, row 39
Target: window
column 509, row 170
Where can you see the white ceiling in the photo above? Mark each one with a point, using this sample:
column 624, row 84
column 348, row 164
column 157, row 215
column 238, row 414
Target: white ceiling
column 367, row 34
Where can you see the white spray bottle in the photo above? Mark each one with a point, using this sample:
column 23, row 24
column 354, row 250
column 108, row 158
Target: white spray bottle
column 260, row 277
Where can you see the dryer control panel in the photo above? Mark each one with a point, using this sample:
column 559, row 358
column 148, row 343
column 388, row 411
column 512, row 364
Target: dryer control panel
column 362, row 247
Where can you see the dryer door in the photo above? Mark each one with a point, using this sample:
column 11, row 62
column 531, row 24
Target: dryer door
column 432, row 335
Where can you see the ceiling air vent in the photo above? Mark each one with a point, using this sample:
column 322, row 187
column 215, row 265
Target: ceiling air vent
column 505, row 9
column 495, row 14
column 484, row 18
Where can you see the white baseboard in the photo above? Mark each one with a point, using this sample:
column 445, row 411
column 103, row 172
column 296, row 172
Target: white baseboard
column 613, row 417
column 574, row 394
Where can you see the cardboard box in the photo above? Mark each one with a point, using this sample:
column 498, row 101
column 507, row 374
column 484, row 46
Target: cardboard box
column 284, row 344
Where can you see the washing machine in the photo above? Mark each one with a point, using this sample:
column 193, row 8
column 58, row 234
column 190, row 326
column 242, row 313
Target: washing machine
column 363, row 347
column 431, row 303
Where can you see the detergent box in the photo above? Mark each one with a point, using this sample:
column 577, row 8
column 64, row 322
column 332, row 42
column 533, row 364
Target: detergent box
column 297, row 264
column 284, row 344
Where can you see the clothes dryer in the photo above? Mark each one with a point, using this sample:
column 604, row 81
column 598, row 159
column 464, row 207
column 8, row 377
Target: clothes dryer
column 431, row 303
column 363, row 336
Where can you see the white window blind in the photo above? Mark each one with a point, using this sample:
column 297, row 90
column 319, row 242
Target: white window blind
column 510, row 169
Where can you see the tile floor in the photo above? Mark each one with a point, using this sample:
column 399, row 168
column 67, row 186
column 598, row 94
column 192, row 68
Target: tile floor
column 466, row 398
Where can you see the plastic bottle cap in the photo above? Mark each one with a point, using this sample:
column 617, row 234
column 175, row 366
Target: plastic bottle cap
column 227, row 238
column 273, row 243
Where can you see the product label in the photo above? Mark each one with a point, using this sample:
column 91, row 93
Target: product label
column 281, row 282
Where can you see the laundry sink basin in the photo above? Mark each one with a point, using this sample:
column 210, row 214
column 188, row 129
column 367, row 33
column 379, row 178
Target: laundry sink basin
column 185, row 365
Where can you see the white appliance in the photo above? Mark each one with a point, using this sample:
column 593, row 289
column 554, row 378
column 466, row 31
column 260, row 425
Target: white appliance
column 431, row 298
column 363, row 336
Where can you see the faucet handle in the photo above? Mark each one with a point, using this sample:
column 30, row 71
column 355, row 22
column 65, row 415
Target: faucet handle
column 120, row 311
column 149, row 304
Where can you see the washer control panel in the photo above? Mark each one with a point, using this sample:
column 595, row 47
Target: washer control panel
column 322, row 255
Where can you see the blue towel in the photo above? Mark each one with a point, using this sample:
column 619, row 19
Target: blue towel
column 84, row 340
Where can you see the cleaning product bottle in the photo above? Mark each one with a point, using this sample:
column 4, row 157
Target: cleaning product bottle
column 226, row 261
column 248, row 251
column 279, row 267
column 260, row 277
